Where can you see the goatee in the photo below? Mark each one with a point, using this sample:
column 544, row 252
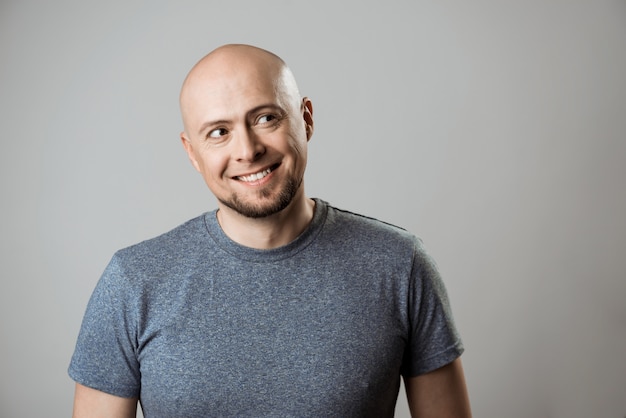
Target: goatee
column 265, row 207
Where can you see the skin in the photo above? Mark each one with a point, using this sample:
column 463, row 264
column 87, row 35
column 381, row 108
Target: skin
column 441, row 393
column 248, row 121
column 92, row 403
column 238, row 123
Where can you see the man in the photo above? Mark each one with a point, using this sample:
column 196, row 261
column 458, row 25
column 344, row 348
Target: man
column 275, row 304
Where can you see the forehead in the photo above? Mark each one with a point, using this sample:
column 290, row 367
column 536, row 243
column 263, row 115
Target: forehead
column 230, row 92
column 237, row 84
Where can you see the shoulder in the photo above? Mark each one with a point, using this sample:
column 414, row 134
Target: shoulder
column 163, row 251
column 366, row 225
column 369, row 233
column 182, row 235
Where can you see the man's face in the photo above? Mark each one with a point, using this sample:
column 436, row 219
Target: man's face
column 247, row 134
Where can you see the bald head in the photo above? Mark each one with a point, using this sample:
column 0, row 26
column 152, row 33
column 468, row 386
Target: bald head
column 246, row 131
column 232, row 70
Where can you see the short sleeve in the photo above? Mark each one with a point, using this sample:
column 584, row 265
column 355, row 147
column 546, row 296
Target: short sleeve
column 433, row 337
column 105, row 355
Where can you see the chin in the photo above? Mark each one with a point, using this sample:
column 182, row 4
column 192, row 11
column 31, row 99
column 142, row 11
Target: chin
column 266, row 205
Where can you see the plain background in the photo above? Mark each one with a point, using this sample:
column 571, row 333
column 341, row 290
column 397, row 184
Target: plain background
column 494, row 130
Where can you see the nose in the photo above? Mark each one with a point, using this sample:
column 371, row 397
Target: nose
column 248, row 146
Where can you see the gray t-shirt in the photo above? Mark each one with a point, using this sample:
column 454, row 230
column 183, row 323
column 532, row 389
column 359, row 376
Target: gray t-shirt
column 196, row 325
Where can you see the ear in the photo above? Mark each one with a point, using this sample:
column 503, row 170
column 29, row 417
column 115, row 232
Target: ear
column 189, row 148
column 307, row 115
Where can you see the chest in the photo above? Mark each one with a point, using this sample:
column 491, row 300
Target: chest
column 258, row 343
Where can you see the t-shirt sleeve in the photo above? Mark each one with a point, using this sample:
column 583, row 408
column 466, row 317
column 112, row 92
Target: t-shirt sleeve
column 105, row 355
column 433, row 337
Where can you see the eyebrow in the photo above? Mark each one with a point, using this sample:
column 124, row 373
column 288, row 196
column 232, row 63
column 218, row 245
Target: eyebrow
column 254, row 110
column 205, row 125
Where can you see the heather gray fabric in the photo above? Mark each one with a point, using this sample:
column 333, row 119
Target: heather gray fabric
column 197, row 325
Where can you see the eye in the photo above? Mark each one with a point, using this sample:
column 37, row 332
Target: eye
column 217, row 133
column 266, row 119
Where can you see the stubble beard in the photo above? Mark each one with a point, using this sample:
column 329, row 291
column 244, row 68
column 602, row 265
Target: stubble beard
column 265, row 206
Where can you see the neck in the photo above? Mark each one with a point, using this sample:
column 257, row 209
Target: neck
column 269, row 232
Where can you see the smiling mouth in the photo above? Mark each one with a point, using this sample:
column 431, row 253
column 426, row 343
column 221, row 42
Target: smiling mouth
column 256, row 176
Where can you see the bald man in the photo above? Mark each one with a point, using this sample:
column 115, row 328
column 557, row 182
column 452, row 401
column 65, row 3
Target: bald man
column 273, row 304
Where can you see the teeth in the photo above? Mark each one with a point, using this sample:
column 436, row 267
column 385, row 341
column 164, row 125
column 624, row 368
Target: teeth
column 256, row 176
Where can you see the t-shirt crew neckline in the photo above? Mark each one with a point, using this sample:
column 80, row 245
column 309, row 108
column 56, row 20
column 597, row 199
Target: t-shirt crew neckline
column 256, row 255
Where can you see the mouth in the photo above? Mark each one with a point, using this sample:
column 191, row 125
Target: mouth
column 257, row 176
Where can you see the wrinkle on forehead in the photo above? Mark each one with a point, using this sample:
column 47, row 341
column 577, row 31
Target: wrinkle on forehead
column 236, row 62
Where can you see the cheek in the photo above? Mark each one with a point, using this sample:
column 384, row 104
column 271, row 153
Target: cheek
column 300, row 153
column 300, row 144
column 213, row 165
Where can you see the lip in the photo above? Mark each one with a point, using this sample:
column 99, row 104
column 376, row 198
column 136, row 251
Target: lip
column 269, row 170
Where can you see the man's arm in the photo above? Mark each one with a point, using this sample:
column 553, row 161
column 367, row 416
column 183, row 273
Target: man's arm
column 441, row 393
column 92, row 403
